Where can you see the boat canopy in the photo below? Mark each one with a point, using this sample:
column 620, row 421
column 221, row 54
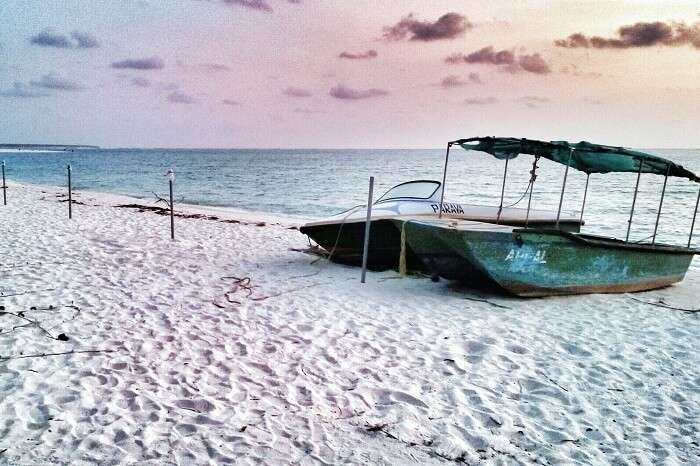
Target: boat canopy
column 583, row 156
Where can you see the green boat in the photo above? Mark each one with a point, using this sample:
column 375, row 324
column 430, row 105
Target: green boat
column 534, row 262
column 537, row 261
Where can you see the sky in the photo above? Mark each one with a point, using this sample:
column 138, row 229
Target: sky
column 348, row 73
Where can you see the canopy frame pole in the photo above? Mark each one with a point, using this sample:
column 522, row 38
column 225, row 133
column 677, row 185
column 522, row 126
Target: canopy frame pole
column 634, row 200
column 533, row 178
column 563, row 186
column 695, row 213
column 585, row 193
column 529, row 201
column 503, row 191
column 368, row 223
column 444, row 179
column 661, row 203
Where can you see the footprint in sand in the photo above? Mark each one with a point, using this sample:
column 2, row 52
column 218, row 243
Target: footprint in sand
column 186, row 429
column 200, row 406
column 120, row 436
column 406, row 398
column 517, row 349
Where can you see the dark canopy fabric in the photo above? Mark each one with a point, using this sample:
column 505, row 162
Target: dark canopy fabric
column 587, row 157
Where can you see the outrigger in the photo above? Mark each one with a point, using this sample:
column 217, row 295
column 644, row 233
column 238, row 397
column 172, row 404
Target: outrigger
column 539, row 261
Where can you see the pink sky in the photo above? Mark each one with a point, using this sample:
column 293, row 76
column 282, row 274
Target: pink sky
column 233, row 74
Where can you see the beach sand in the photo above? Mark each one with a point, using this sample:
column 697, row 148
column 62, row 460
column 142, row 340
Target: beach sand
column 191, row 363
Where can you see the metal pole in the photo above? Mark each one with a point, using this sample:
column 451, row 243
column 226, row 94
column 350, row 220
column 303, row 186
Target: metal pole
column 585, row 193
column 503, row 191
column 563, row 186
column 70, row 194
column 368, row 221
column 533, row 177
column 634, row 201
column 171, row 176
column 661, row 203
column 695, row 213
column 444, row 179
column 4, row 186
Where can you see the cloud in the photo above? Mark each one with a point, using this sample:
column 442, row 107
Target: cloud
column 359, row 56
column 345, row 93
column 534, row 64
column 84, row 40
column 475, row 78
column 506, row 59
column 533, row 101
column 481, row 101
column 230, row 102
column 296, row 92
column 455, row 81
column 140, row 82
column 452, row 81
column 260, row 5
column 22, row 91
column 641, row 34
column 56, row 83
column 214, row 67
column 48, row 39
column 574, row 70
column 575, row 40
column 486, row 55
column 79, row 40
column 178, row 97
column 151, row 63
column 448, row 26
column 208, row 67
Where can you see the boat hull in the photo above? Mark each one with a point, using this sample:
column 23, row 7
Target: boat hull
column 530, row 262
column 345, row 240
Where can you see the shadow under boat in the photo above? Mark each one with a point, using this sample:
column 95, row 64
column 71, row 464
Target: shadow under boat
column 342, row 235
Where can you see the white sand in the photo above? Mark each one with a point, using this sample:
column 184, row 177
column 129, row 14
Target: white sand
column 325, row 370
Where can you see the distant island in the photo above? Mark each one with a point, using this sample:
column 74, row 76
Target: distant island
column 51, row 147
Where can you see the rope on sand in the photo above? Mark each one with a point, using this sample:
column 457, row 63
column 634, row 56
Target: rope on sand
column 42, row 355
column 662, row 303
column 245, row 284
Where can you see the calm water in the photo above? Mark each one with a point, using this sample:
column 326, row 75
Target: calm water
column 315, row 183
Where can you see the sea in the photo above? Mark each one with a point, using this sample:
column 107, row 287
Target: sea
column 311, row 183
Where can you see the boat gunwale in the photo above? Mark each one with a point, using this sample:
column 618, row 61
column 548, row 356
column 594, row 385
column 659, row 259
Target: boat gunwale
column 430, row 216
column 608, row 242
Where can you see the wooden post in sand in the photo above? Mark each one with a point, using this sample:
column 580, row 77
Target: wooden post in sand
column 4, row 186
column 70, row 195
column 368, row 221
column 171, row 178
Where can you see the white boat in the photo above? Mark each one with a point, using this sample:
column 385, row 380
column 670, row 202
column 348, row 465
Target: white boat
column 342, row 234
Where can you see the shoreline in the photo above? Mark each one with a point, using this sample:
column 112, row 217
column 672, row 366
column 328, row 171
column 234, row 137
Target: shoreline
column 115, row 200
